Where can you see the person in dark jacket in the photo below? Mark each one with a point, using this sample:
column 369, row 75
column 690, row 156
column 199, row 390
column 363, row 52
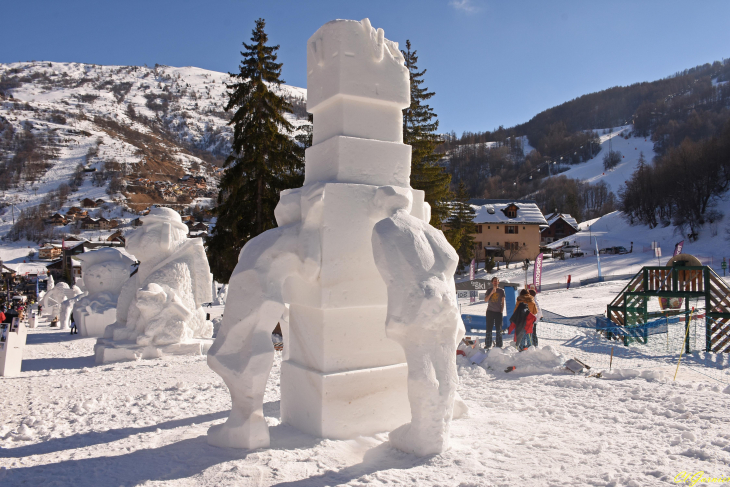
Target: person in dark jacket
column 523, row 320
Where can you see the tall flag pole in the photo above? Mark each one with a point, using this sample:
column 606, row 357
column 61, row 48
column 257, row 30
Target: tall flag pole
column 472, row 271
column 537, row 273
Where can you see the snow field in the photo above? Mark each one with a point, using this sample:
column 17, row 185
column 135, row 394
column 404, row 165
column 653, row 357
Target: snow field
column 67, row 421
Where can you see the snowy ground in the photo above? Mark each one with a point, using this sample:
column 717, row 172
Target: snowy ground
column 67, row 421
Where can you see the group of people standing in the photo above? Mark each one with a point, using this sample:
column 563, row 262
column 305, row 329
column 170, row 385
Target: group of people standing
column 523, row 321
column 8, row 313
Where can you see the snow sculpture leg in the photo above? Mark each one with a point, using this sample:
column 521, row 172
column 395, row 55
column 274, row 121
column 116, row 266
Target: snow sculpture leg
column 243, row 351
column 417, row 265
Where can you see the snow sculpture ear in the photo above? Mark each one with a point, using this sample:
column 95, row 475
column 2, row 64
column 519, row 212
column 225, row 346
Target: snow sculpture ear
column 377, row 38
column 389, row 199
column 166, row 236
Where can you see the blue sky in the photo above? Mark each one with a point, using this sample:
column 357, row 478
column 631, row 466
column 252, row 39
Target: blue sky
column 490, row 63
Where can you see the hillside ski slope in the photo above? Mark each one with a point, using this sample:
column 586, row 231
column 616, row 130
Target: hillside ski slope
column 593, row 172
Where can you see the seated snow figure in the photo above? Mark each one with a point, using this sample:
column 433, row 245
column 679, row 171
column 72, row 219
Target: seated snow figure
column 105, row 272
column 162, row 303
column 418, row 265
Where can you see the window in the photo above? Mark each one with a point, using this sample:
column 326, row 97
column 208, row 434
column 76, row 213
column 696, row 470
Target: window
column 511, row 213
column 479, row 245
column 489, row 243
column 523, row 228
column 489, row 227
column 497, row 227
column 511, row 245
column 510, row 229
column 479, row 229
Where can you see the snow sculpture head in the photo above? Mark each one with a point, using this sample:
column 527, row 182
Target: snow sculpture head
column 355, row 60
column 105, row 270
column 389, row 199
column 162, row 231
column 357, row 83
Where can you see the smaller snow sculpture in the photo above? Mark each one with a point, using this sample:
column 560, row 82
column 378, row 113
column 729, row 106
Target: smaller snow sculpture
column 222, row 295
column 54, row 297
column 105, row 272
column 418, row 265
column 159, row 310
column 64, row 315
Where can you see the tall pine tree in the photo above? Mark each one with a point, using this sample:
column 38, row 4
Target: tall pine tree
column 461, row 226
column 419, row 131
column 264, row 158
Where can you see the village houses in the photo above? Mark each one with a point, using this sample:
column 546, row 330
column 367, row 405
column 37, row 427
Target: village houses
column 507, row 231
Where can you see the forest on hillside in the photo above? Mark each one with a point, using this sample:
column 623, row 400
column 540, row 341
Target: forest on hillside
column 690, row 106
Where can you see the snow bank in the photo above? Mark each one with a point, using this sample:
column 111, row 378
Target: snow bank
column 624, row 374
column 531, row 361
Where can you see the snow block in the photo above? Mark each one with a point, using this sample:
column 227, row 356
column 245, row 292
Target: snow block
column 108, row 351
column 351, row 58
column 362, row 161
column 93, row 324
column 333, row 340
column 346, row 404
column 355, row 117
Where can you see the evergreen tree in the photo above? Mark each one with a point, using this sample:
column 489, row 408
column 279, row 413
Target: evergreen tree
column 264, row 158
column 461, row 226
column 419, row 131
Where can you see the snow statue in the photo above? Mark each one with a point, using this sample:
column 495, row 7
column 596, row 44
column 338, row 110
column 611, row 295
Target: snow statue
column 64, row 315
column 159, row 309
column 53, row 299
column 105, row 271
column 417, row 264
column 221, row 296
column 341, row 376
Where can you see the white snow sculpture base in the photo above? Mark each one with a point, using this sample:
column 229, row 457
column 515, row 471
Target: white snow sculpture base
column 94, row 324
column 344, row 405
column 107, row 351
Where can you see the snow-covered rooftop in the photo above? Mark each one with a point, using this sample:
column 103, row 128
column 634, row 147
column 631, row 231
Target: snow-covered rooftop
column 527, row 213
column 565, row 216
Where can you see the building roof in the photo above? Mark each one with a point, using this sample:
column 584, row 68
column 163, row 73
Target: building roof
column 565, row 217
column 527, row 213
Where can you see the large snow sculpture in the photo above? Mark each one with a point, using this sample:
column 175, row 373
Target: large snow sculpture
column 341, row 376
column 159, row 309
column 105, row 271
column 417, row 264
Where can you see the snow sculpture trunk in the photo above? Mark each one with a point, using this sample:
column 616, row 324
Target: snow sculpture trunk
column 418, row 265
column 342, row 376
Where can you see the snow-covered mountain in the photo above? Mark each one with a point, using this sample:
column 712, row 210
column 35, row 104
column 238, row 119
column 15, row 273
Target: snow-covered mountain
column 122, row 124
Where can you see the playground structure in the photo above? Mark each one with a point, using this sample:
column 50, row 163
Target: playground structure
column 681, row 281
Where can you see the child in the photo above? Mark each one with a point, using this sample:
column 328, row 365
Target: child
column 74, row 330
